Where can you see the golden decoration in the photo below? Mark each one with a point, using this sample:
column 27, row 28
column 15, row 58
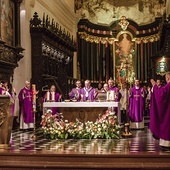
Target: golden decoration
column 104, row 40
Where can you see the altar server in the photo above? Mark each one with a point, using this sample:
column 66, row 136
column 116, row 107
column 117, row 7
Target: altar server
column 136, row 106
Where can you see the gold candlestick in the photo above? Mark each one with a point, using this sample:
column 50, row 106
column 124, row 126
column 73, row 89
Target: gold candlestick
column 127, row 132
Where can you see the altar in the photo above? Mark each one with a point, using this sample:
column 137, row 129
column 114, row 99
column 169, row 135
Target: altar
column 84, row 111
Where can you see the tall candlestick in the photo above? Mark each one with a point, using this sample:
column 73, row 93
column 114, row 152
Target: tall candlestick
column 53, row 96
column 48, row 95
column 33, row 93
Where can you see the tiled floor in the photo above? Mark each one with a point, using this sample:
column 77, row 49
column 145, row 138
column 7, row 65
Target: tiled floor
column 141, row 142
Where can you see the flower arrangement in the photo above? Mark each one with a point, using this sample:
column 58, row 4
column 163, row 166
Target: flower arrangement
column 105, row 127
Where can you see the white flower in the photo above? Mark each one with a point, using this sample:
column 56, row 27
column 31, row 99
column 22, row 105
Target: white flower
column 66, row 121
column 112, row 113
column 99, row 125
column 49, row 111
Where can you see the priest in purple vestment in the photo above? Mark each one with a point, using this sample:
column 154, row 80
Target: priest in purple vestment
column 88, row 93
column 52, row 95
column 105, row 88
column 136, row 106
column 155, row 108
column 164, row 113
column 25, row 106
column 112, row 87
column 75, row 92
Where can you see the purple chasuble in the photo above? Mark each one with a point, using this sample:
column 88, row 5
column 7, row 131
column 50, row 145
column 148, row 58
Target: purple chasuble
column 155, row 109
column 75, row 94
column 25, row 103
column 136, row 105
column 88, row 94
column 164, row 113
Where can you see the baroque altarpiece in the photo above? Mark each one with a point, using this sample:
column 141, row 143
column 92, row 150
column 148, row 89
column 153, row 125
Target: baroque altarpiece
column 117, row 52
column 119, row 39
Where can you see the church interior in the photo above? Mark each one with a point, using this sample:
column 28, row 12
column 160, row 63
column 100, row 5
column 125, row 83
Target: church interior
column 62, row 44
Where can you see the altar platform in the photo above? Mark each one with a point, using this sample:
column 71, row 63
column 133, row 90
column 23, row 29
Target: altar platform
column 139, row 152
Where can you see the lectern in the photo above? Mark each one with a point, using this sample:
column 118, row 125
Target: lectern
column 6, row 121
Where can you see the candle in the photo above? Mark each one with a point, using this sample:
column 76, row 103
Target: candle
column 53, row 96
column 48, row 95
column 33, row 93
column 34, row 97
column 112, row 95
column 107, row 95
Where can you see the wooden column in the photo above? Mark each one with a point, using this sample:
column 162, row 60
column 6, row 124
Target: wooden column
column 17, row 23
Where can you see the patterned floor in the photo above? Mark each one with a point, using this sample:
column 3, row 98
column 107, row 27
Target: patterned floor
column 141, row 142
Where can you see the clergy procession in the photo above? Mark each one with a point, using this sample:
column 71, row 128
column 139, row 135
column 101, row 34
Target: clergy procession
column 135, row 102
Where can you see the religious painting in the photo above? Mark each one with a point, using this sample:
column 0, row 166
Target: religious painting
column 107, row 11
column 124, row 59
column 7, row 21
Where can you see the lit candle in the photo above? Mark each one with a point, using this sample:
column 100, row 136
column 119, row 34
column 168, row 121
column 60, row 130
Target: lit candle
column 48, row 95
column 107, row 95
column 34, row 97
column 53, row 96
column 33, row 93
column 112, row 96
